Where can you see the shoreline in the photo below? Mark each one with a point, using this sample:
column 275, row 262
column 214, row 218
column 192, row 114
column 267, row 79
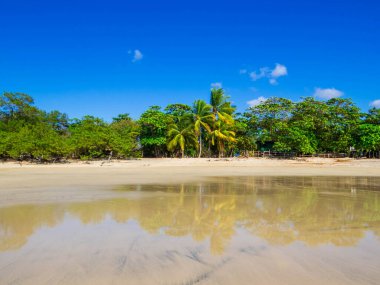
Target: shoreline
column 164, row 170
column 195, row 160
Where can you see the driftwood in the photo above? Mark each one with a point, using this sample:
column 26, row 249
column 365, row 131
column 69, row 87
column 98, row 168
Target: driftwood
column 108, row 160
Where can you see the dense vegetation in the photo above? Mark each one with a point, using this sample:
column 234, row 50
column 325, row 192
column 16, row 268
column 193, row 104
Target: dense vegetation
column 202, row 130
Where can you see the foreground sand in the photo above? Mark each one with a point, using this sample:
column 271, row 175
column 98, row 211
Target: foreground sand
column 60, row 225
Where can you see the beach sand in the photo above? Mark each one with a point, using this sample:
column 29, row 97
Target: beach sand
column 58, row 219
column 25, row 182
column 14, row 175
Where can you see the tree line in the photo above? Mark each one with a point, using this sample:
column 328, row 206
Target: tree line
column 212, row 129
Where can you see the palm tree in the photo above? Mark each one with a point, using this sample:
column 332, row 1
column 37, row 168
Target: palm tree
column 181, row 134
column 220, row 135
column 221, row 108
column 223, row 119
column 202, row 118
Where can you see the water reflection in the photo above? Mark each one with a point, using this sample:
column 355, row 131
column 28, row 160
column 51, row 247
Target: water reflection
column 280, row 210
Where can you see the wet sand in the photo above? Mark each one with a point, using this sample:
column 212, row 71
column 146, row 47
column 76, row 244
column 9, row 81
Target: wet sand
column 41, row 183
column 172, row 221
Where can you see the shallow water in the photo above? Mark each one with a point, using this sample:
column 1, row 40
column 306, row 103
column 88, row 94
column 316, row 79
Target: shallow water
column 225, row 230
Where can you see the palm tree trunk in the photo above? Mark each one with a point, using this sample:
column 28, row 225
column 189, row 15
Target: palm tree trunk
column 183, row 153
column 200, row 142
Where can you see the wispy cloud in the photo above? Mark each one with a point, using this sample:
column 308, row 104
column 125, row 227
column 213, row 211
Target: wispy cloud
column 273, row 81
column 327, row 93
column 375, row 104
column 271, row 74
column 137, row 55
column 257, row 101
column 216, row 85
column 243, row 71
column 263, row 72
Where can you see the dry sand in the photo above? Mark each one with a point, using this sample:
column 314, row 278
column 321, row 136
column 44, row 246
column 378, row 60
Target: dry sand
column 158, row 170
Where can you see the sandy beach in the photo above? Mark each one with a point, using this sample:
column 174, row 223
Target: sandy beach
column 223, row 221
column 14, row 175
column 60, row 181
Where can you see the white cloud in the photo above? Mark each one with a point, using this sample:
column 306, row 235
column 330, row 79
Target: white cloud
column 273, row 81
column 327, row 93
column 263, row 72
column 216, row 85
column 271, row 74
column 279, row 70
column 375, row 104
column 256, row 101
column 137, row 55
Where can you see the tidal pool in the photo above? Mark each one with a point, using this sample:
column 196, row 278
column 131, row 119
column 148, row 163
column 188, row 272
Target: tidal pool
column 223, row 230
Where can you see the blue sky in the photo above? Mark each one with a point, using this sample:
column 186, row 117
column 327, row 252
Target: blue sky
column 109, row 57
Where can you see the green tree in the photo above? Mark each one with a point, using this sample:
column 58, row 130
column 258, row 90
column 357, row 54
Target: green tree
column 373, row 116
column 297, row 140
column 343, row 122
column 272, row 118
column 221, row 135
column 27, row 132
column 369, row 137
column 16, row 105
column 202, row 120
column 310, row 117
column 154, row 126
column 181, row 135
column 124, row 133
column 221, row 108
column 223, row 120
column 246, row 134
column 176, row 111
column 89, row 138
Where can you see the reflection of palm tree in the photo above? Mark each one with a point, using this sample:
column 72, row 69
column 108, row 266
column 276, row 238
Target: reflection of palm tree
column 19, row 222
column 202, row 118
column 273, row 209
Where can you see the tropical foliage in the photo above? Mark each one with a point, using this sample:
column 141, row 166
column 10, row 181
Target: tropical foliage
column 212, row 129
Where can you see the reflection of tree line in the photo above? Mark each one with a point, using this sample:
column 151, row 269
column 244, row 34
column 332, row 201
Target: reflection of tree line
column 276, row 209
